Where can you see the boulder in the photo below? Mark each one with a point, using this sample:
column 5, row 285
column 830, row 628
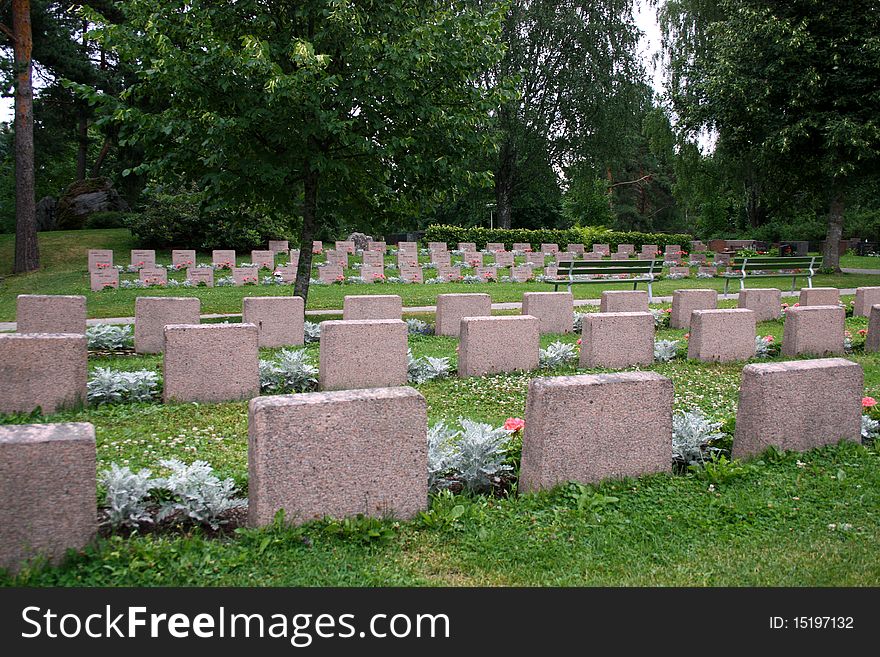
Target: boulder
column 360, row 241
column 85, row 197
column 47, row 213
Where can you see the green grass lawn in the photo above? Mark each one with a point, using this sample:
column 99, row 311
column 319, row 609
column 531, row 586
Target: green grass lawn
column 786, row 520
column 64, row 271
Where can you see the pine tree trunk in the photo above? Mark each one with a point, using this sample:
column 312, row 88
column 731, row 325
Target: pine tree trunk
column 27, row 255
column 504, row 184
column 831, row 250
column 309, row 228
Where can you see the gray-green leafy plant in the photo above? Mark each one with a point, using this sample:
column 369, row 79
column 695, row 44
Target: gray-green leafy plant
column 418, row 327
column 290, row 371
column 665, row 350
column 557, row 354
column 312, row 332
column 870, row 429
column 692, row 435
column 480, row 454
column 127, row 495
column 441, row 456
column 109, row 337
column 426, row 368
column 113, row 386
column 198, row 492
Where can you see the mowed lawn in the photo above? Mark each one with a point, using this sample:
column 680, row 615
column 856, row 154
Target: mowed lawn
column 64, row 271
column 794, row 519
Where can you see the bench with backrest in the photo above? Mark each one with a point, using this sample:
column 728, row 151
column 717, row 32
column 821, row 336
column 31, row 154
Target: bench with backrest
column 574, row 272
column 744, row 268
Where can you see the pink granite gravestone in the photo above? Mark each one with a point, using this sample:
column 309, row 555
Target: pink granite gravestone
column 183, row 258
column 153, row 276
column 143, row 258
column 245, row 275
column 153, row 314
column 554, row 310
column 331, row 274
column 765, row 303
column 617, row 340
column 50, row 313
column 199, row 275
column 452, row 307
column 279, row 246
column 45, row 370
column 263, row 259
column 337, row 454
column 684, row 302
column 722, row 335
column 491, row 345
column 865, row 298
column 102, row 279
column 100, row 259
column 279, row 320
column 814, row 330
column 593, row 427
column 223, row 258
column 624, row 301
column 362, row 354
column 372, row 306
column 819, row 296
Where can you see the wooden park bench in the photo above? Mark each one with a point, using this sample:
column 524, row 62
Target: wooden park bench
column 772, row 267
column 574, row 272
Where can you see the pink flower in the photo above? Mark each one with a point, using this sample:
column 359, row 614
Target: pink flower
column 863, row 332
column 514, row 424
column 769, row 338
column 667, row 310
column 868, row 402
column 579, row 341
column 687, row 336
column 796, row 305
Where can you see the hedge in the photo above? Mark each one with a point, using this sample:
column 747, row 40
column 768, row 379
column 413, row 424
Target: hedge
column 452, row 235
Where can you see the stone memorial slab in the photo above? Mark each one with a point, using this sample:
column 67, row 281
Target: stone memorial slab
column 604, row 249
column 866, row 297
column 153, row 314
column 575, row 248
column 722, row 336
column 346, row 246
column 554, row 310
column 263, row 259
column 472, row 258
column 491, row 345
column 245, row 275
column 819, row 401
column 374, row 258
column 765, row 303
column 411, row 274
column 628, row 249
column 684, row 302
column 467, row 246
column 819, row 296
column 503, row 259
column 536, row 259
column 373, row 245
column 522, row 274
column 331, row 274
column 441, row 258
column 624, row 301
column 183, row 258
column 279, row 320
column 100, row 259
column 813, row 330
column 199, row 275
column 223, row 258
column 617, row 340
column 211, row 362
column 153, row 276
column 487, row 273
column 102, row 279
column 48, row 490
column 495, row 246
column 279, row 246
column 50, row 313
column 524, row 247
column 363, row 354
column 449, row 273
column 549, row 248
column 373, row 274
column 143, row 258
column 337, row 454
column 42, row 370
column 372, row 306
column 587, row 429
column 452, row 307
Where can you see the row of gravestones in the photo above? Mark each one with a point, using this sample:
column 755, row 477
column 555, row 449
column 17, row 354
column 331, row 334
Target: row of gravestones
column 370, row 447
column 104, row 275
column 44, row 368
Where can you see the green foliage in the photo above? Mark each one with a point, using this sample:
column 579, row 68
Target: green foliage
column 178, row 218
column 586, row 202
column 719, row 469
column 109, row 219
column 587, row 236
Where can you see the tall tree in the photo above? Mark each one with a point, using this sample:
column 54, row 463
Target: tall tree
column 578, row 79
column 794, row 85
column 27, row 253
column 283, row 104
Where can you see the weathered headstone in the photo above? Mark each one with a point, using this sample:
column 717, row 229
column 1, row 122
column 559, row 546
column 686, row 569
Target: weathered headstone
column 279, row 246
column 766, row 303
column 293, row 258
column 407, row 259
column 337, row 454
column 245, row 275
column 317, row 247
column 452, row 307
column 331, row 274
column 563, row 256
column 554, row 310
column 362, row 354
column 441, row 258
column 102, row 279
column 45, row 370
column 279, row 320
column 549, row 248
column 380, row 247
column 628, row 249
column 617, row 340
column 472, row 258
column 449, row 273
column 223, row 258
column 524, row 247
column 620, row 256
column 819, row 296
column 535, row 258
column 50, row 313
column 374, row 258
column 153, row 314
column 345, row 245
column 722, row 336
column 814, row 330
column 287, row 273
column 437, row 246
column 522, row 274
column 211, row 362
column 467, row 246
column 575, row 248
column 798, row 405
column 649, row 250
column 153, row 276
column 263, row 259
column 491, row 345
column 604, row 249
column 100, row 259
column 872, row 339
column 866, row 297
column 143, row 258
column 624, row 301
column 684, row 302
column 372, row 306
column 494, row 246
column 589, row 428
column 199, row 275
column 47, row 491
column 337, row 258
column 486, row 273
column 183, row 258
column 373, row 274
column 503, row 259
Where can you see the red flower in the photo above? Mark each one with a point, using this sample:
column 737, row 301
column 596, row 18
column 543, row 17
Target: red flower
column 868, row 402
column 863, row 332
column 579, row 341
column 514, row 424
column 687, row 336
column 769, row 338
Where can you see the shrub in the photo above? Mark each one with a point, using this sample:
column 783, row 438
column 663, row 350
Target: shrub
column 557, row 354
column 427, row 368
column 692, row 435
column 665, row 350
column 111, row 386
column 127, row 494
column 585, row 235
column 108, row 337
column 198, row 493
column 291, row 371
column 109, row 219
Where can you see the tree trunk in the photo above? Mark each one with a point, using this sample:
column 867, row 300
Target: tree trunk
column 82, row 143
column 831, row 250
column 27, row 254
column 96, row 168
column 504, row 184
column 309, row 228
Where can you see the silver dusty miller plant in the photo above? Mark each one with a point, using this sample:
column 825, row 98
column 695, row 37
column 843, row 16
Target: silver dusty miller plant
column 109, row 337
column 441, row 456
column 112, row 386
column 312, row 332
column 665, row 350
column 480, row 453
column 198, row 493
column 691, row 434
column 291, row 371
column 127, row 495
column 426, row 368
column 578, row 323
column 557, row 354
column 870, row 430
column 418, row 327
